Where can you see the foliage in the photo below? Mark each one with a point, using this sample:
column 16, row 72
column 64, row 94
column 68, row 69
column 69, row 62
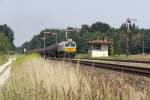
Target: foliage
column 4, row 43
column 6, row 39
column 98, row 30
column 3, row 58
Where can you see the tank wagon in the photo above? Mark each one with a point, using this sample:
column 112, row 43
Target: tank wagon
column 63, row 49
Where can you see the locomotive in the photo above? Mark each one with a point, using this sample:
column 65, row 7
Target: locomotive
column 63, row 49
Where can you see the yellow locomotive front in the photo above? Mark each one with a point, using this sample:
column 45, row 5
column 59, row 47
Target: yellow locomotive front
column 70, row 46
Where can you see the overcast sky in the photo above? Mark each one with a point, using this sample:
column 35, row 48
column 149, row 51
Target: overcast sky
column 29, row 17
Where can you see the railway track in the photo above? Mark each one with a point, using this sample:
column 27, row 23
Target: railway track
column 125, row 60
column 141, row 71
column 133, row 61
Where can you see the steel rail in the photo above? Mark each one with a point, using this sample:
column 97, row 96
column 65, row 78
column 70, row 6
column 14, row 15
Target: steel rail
column 141, row 71
column 133, row 61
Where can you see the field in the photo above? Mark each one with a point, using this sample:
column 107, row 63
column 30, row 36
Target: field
column 33, row 78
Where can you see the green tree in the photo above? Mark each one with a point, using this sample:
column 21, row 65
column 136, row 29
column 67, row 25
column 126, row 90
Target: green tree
column 98, row 30
column 8, row 32
column 4, row 43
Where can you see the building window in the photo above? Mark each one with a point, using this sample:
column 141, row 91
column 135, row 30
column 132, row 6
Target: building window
column 97, row 46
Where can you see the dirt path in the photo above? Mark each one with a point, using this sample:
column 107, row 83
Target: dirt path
column 5, row 71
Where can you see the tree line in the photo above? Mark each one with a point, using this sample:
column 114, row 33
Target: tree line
column 99, row 30
column 6, row 39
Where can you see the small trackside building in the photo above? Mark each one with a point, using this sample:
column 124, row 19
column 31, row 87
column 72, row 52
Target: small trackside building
column 98, row 48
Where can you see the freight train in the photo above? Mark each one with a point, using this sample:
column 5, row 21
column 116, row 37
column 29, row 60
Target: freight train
column 63, row 49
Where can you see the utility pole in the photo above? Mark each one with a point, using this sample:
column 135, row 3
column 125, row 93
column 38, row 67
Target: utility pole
column 44, row 38
column 68, row 30
column 128, row 23
column 56, row 38
column 44, row 45
column 143, row 44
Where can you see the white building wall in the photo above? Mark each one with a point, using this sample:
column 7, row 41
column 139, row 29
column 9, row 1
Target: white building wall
column 103, row 52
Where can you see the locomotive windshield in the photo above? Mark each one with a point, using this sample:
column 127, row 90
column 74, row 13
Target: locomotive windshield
column 70, row 44
column 73, row 44
column 67, row 45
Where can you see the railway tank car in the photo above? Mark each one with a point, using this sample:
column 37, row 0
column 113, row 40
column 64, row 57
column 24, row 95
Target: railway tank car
column 63, row 49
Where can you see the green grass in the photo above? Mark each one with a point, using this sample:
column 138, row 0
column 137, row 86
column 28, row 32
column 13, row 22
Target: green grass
column 130, row 57
column 121, row 57
column 23, row 58
column 34, row 78
column 81, row 56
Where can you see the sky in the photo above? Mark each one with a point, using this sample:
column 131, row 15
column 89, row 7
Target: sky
column 29, row 17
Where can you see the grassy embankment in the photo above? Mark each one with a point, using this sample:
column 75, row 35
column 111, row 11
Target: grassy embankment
column 34, row 78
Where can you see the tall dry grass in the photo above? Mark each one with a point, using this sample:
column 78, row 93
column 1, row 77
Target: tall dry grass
column 38, row 79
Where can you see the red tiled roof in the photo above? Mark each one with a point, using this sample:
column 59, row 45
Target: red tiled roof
column 99, row 42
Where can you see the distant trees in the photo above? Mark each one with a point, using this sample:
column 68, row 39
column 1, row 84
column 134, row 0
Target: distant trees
column 8, row 32
column 98, row 30
column 100, row 27
column 87, row 33
column 133, row 34
column 4, row 43
column 146, row 34
column 6, row 39
column 38, row 42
